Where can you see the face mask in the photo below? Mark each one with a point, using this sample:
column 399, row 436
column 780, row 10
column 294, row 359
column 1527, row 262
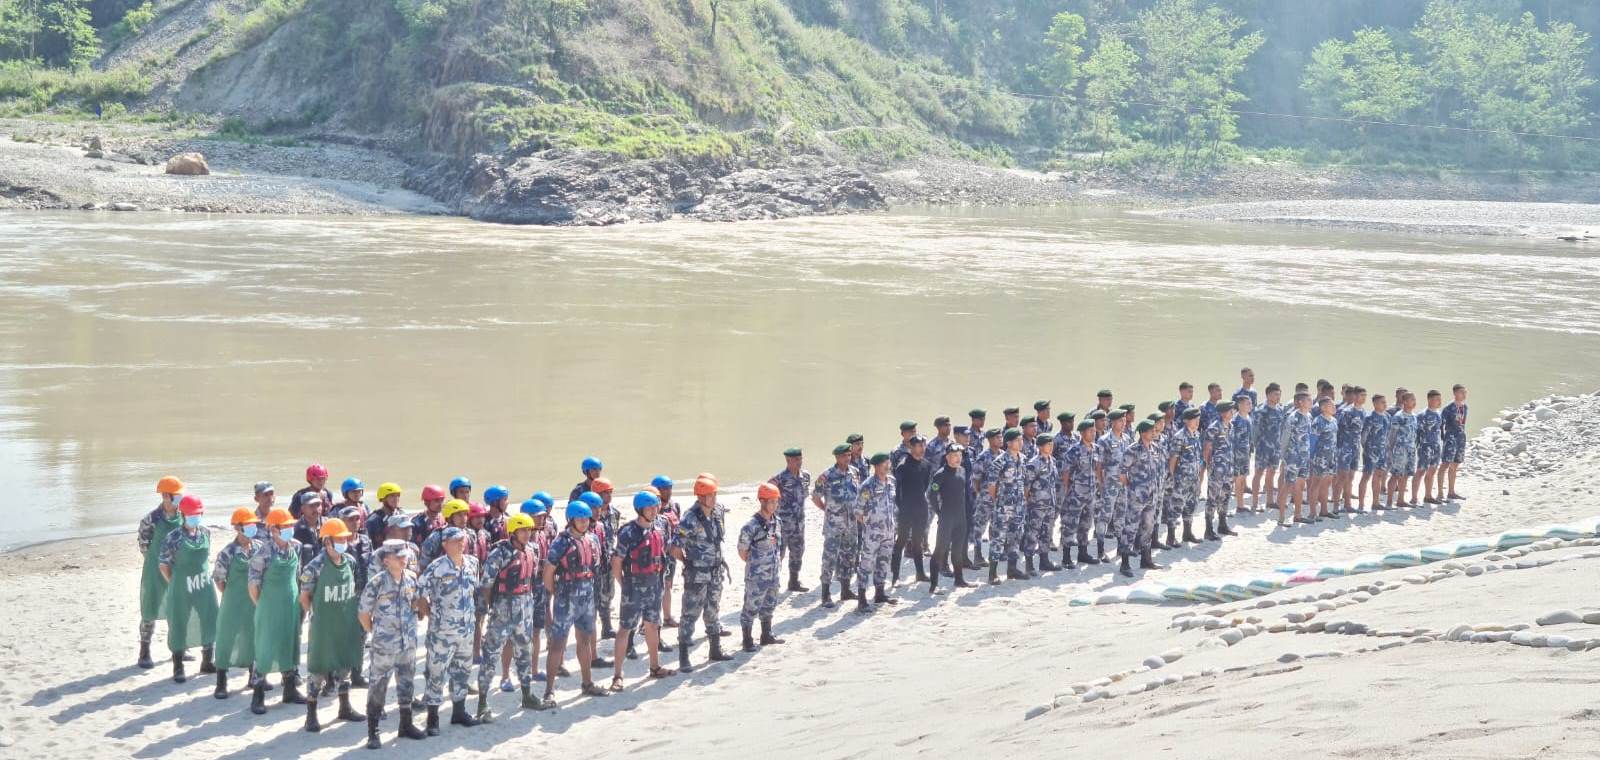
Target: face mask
column 249, row 531
column 286, row 534
column 177, row 497
column 192, row 521
column 341, row 548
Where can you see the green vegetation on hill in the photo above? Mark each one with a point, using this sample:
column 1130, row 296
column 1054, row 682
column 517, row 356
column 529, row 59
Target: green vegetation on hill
column 1068, row 82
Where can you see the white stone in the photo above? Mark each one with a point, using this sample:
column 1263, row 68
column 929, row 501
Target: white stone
column 1154, row 662
column 1457, row 633
column 1415, row 579
column 1172, row 655
column 1035, row 711
column 1592, row 618
column 1557, row 642
column 1474, row 571
column 1288, row 657
column 1231, row 636
column 1558, row 617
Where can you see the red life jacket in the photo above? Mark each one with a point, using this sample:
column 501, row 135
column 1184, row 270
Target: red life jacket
column 518, row 575
column 578, row 562
column 645, row 557
column 478, row 544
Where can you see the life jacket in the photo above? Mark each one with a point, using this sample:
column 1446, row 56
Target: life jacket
column 517, row 576
column 645, row 557
column 578, row 562
column 478, row 544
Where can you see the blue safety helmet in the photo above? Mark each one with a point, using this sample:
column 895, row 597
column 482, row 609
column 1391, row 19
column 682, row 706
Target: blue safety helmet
column 577, row 509
column 591, row 463
column 494, row 494
column 592, row 499
column 645, row 499
column 352, row 484
column 661, row 481
column 544, row 497
column 460, row 481
column 534, row 507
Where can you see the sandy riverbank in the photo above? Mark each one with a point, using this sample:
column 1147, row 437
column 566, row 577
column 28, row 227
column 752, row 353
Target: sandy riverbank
column 986, row 670
column 1429, row 217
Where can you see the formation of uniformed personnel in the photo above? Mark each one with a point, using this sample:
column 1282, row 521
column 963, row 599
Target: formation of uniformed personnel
column 449, row 592
column 760, row 546
column 388, row 613
column 329, row 597
column 510, row 575
column 794, row 485
column 699, row 548
column 638, row 567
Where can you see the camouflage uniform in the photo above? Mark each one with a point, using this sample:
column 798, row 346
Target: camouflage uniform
column 1325, row 446
column 792, row 492
column 1144, row 464
column 983, row 505
column 451, row 592
column 1375, row 442
column 1403, row 451
column 1219, row 480
column 1006, row 473
column 1350, row 438
column 375, row 566
column 392, row 645
column 643, row 552
column 840, row 539
column 1269, row 423
column 700, row 537
column 667, row 523
column 1112, row 491
column 573, row 606
column 1454, row 437
column 1043, row 480
column 875, row 500
column 1077, row 506
column 1188, row 448
column 1240, row 434
column 513, row 611
column 1297, row 447
column 760, row 538
column 1429, row 424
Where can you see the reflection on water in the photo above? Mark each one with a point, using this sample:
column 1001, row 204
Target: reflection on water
column 231, row 349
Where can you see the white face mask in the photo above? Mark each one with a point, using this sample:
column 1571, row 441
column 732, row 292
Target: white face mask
column 249, row 531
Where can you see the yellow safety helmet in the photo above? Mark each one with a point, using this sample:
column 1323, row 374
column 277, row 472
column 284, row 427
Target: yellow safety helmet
column 455, row 505
column 517, row 522
column 385, row 490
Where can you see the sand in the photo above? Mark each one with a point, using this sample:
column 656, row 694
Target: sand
column 972, row 674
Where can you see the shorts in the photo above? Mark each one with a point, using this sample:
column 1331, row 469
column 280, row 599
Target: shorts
column 1374, row 459
column 1455, row 449
column 641, row 601
column 1324, row 465
column 572, row 610
column 1349, row 459
column 1403, row 461
column 1268, row 457
column 541, row 607
column 1427, row 457
column 1294, row 469
column 1241, row 461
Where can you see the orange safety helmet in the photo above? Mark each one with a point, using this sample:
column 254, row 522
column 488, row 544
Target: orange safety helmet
column 334, row 529
column 706, row 476
column 767, row 491
column 600, row 485
column 704, row 487
column 279, row 517
column 169, row 485
column 244, row 516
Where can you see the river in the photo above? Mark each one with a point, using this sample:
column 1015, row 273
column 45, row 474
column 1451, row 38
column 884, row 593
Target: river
column 230, row 349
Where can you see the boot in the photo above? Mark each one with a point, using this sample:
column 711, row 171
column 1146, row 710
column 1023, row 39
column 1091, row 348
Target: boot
column 1045, row 565
column 933, row 585
column 348, row 713
column 312, row 726
column 1146, row 563
column 606, row 632
column 144, row 656
column 1013, row 573
column 357, row 680
column 1083, row 555
column 222, row 685
column 794, row 581
column 1126, row 571
column 1172, row 537
column 749, row 643
column 408, row 729
column 881, row 598
column 862, row 607
column 291, row 689
column 961, row 580
column 433, row 720
column 845, row 594
column 827, row 596
column 1211, row 533
column 916, row 561
column 1188, row 533
column 484, row 715
column 717, row 654
column 633, row 652
column 1155, row 538
column 1028, row 566
column 683, row 661
column 206, row 664
column 258, row 699
column 977, row 556
column 177, row 668
column 528, row 702
column 1222, row 526
column 1100, row 550
column 766, row 633
column 1066, row 558
column 373, row 742
column 994, row 573
column 459, row 715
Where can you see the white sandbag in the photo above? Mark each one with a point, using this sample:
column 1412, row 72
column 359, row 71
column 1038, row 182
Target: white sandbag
column 1514, row 538
column 1563, row 532
column 1403, row 558
column 1235, row 590
column 1147, row 593
column 1206, row 591
column 1115, row 596
column 1332, row 571
column 1081, row 601
column 1437, row 552
column 1268, row 584
column 1177, row 592
column 1471, row 546
column 1370, row 563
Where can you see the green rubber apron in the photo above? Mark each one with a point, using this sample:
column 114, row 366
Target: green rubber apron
column 236, row 622
column 335, row 632
column 278, row 616
column 191, row 599
column 152, row 586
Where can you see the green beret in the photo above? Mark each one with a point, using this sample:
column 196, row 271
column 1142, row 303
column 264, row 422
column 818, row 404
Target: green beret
column 1011, row 410
column 1098, row 414
column 1065, row 417
column 1224, row 406
column 1146, row 426
column 791, row 452
column 907, row 426
column 991, row 433
column 1085, row 425
column 854, row 438
column 878, row 458
column 1031, row 421
column 1045, row 438
column 1126, row 407
column 1117, row 414
column 979, row 413
column 1104, row 393
column 941, row 421
column 1012, row 434
column 1165, row 406
column 841, row 449
column 1039, row 406
column 1192, row 413
column 1154, row 417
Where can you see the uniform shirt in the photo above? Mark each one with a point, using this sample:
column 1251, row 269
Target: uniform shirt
column 1269, row 423
column 1188, row 448
column 1298, row 446
column 1221, row 443
column 394, row 619
column 1108, row 455
column 1144, row 464
column 936, row 449
column 1239, row 434
column 979, row 474
column 1178, row 408
column 1042, row 479
column 180, row 538
column 837, row 488
column 268, row 552
column 1324, row 436
column 424, row 524
column 667, row 524
column 377, row 524
column 792, row 491
column 899, row 455
column 360, row 553
column 1208, row 414
column 759, row 537
column 299, row 499
column 451, row 592
column 1006, row 474
column 911, row 485
column 1078, row 464
column 862, row 469
column 1045, row 425
column 226, row 555
column 147, row 527
column 947, row 491
column 1375, row 435
column 1255, row 401
column 1405, row 431
column 308, row 534
column 578, row 490
column 1429, row 424
column 700, row 536
column 1350, row 427
column 1454, row 419
column 413, row 562
column 875, row 500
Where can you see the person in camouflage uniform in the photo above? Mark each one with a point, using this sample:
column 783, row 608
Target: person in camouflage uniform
column 983, row 506
column 834, row 493
column 1296, row 458
column 1403, row 451
column 449, row 589
column 760, row 546
column 1218, row 454
column 858, row 459
column 1077, row 502
column 506, row 592
column 700, row 535
column 794, row 483
column 1042, row 486
column 1006, row 490
column 1350, row 420
column 1112, row 481
column 1143, row 461
column 667, row 518
column 154, row 528
column 874, row 513
column 1267, row 429
column 1374, row 452
column 1240, row 433
column 1429, row 442
column 388, row 614
column 637, row 567
column 1324, row 457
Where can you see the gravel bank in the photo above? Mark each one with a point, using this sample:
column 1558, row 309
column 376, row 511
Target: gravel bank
column 1577, row 220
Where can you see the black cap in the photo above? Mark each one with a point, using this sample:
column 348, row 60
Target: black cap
column 941, row 421
column 979, row 413
column 1041, row 405
column 1012, row 434
column 791, row 452
column 1045, row 439
column 1224, row 406
column 1098, row 414
column 1146, row 426
column 1117, row 414
column 854, row 438
column 1031, row 421
column 991, row 433
column 1164, row 406
column 1126, row 407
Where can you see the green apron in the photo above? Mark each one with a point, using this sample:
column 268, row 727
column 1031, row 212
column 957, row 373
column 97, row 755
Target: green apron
column 335, row 631
column 152, row 586
column 277, row 621
column 236, row 623
column 191, row 599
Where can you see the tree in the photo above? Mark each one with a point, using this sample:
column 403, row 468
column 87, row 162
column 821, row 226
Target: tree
column 1363, row 78
column 1063, row 47
column 1191, row 59
column 1110, row 75
column 70, row 20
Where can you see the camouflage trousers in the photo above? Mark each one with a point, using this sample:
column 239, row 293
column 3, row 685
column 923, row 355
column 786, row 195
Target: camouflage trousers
column 317, row 682
column 1038, row 520
column 641, row 601
column 1076, row 517
column 1219, row 488
column 760, row 590
column 877, row 548
column 1108, row 509
column 1185, row 499
column 792, row 529
column 449, row 664
column 982, row 515
column 1005, row 534
column 400, row 663
column 702, row 598
column 839, row 548
column 1140, row 526
column 510, row 618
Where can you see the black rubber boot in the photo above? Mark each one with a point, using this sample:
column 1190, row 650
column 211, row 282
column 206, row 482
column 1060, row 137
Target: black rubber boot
column 1222, row 526
column 1013, row 572
column 1211, row 534
column 1147, row 563
column 977, row 556
column 1100, row 550
column 291, row 689
column 1045, row 565
column 1155, row 538
column 1028, row 566
column 206, row 664
column 994, row 573
column 845, row 594
column 433, row 720
column 459, row 715
column 766, row 633
column 484, row 714
column 528, row 702
column 916, row 561
column 357, row 680
column 1126, row 571
column 222, row 685
column 1188, row 533
column 258, row 699
column 749, row 642
column 794, row 581
column 348, row 713
column 312, row 726
column 861, row 603
column 408, row 728
column 827, row 596
column 1066, row 558
column 599, row 662
column 1172, row 537
column 881, row 598
column 144, row 656
column 178, row 675
column 373, row 742
column 933, row 568
column 961, row 579
column 683, row 660
column 717, row 655
column 633, row 651
column 1084, row 558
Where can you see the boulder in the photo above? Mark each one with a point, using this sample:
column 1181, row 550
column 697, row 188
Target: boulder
column 188, row 164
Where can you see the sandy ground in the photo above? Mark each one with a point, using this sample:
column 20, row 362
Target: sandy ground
column 976, row 673
column 1547, row 220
